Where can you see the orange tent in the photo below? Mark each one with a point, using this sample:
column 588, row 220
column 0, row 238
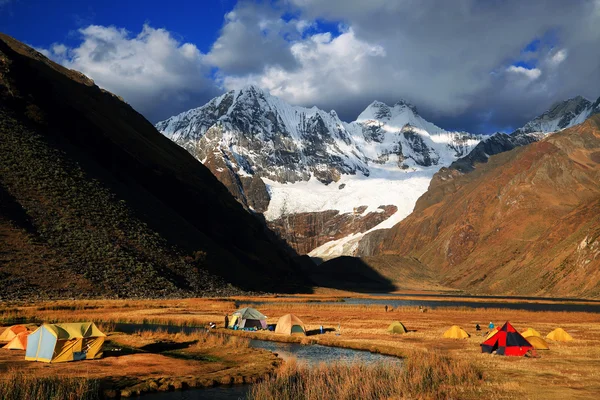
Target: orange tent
column 19, row 342
column 11, row 332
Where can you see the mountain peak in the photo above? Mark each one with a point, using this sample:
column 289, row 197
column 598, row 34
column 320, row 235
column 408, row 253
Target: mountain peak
column 561, row 115
column 403, row 103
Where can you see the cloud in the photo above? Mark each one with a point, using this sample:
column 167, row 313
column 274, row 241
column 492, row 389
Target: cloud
column 252, row 35
column 154, row 72
column 532, row 73
column 340, row 61
column 466, row 64
column 558, row 57
column 459, row 62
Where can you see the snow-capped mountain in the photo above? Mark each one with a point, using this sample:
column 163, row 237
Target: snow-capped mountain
column 561, row 115
column 386, row 157
column 284, row 160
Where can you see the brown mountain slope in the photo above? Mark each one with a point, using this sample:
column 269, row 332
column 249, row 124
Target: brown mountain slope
column 94, row 201
column 527, row 222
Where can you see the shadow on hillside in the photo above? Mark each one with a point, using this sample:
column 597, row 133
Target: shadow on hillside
column 348, row 273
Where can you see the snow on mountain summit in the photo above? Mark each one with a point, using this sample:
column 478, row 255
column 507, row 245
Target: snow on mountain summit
column 288, row 157
column 561, row 115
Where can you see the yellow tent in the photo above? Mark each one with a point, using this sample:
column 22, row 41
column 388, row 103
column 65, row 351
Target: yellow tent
column 530, row 332
column 537, row 342
column 65, row 342
column 12, row 331
column 559, row 335
column 456, row 332
column 492, row 332
column 19, row 342
column 290, row 325
column 397, row 327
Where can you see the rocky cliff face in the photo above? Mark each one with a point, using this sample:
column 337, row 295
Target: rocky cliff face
column 307, row 231
column 282, row 160
column 527, row 222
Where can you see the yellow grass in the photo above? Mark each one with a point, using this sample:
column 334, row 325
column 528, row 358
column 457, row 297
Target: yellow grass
column 423, row 375
column 567, row 370
column 16, row 385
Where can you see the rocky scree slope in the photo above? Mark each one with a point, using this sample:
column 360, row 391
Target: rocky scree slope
column 95, row 202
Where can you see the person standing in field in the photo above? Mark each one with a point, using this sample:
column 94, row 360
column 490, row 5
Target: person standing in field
column 226, row 321
column 491, row 325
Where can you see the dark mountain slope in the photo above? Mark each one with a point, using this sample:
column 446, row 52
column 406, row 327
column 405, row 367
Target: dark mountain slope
column 527, row 222
column 107, row 204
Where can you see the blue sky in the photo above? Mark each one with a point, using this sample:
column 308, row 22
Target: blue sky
column 470, row 65
column 43, row 23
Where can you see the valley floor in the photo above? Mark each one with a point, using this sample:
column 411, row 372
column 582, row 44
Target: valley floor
column 568, row 370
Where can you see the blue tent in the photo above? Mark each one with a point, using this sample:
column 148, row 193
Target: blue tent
column 53, row 343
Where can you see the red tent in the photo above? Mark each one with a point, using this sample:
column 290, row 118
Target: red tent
column 507, row 342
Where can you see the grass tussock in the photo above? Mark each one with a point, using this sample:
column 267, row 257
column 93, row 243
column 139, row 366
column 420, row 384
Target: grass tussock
column 427, row 375
column 202, row 340
column 17, row 385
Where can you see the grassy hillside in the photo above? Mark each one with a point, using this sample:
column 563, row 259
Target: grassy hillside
column 94, row 201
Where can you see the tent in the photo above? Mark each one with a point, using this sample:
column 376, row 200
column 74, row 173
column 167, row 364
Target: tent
column 19, row 342
column 290, row 325
column 65, row 342
column 456, row 332
column 559, row 335
column 12, row 331
column 492, row 332
column 530, row 332
column 397, row 327
column 538, row 343
column 248, row 318
column 506, row 342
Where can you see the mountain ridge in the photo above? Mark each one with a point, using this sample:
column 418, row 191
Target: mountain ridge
column 526, row 222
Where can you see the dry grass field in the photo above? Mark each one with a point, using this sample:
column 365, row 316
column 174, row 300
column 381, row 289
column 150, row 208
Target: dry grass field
column 568, row 370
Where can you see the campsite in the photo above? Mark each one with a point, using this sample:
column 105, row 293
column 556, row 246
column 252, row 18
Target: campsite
column 142, row 362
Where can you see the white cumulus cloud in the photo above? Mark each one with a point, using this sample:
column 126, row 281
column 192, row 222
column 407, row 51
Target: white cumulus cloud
column 532, row 73
column 151, row 70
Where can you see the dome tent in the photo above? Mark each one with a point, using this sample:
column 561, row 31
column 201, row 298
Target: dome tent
column 530, row 332
column 19, row 342
column 456, row 332
column 560, row 335
column 289, row 324
column 54, row 343
column 538, row 343
column 248, row 318
column 11, row 332
column 397, row 327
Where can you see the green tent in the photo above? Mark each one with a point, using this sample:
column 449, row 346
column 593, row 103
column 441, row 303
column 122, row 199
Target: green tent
column 248, row 318
column 397, row 327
